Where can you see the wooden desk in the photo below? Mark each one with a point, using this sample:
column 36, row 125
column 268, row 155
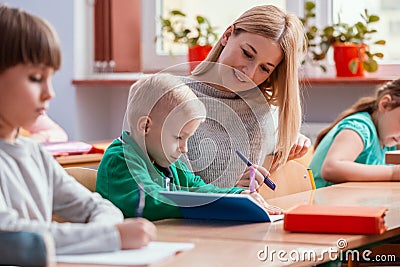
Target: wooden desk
column 376, row 185
column 83, row 160
column 228, row 243
column 232, row 253
column 392, row 157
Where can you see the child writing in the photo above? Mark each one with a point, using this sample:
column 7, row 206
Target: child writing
column 33, row 184
column 353, row 147
column 162, row 113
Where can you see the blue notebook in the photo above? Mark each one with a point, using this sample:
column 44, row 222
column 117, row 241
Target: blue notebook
column 235, row 207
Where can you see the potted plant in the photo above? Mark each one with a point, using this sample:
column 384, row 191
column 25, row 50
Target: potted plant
column 351, row 43
column 199, row 38
column 314, row 54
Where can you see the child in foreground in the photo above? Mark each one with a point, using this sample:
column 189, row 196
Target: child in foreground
column 353, row 147
column 33, row 185
column 162, row 113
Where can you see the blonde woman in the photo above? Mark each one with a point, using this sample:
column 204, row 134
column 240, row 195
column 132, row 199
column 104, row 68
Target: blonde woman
column 249, row 83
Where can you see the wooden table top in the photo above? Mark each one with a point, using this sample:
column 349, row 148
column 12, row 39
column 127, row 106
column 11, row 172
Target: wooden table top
column 229, row 243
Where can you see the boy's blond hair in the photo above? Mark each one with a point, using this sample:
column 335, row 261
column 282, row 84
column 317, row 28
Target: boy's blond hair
column 159, row 95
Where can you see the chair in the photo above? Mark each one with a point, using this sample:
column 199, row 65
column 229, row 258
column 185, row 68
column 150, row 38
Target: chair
column 306, row 159
column 291, row 178
column 85, row 176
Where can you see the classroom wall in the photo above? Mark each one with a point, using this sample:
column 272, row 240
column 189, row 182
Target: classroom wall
column 104, row 107
column 96, row 112
column 61, row 15
column 323, row 103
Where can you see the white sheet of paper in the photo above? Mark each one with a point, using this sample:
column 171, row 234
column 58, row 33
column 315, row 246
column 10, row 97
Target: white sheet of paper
column 275, row 218
column 154, row 252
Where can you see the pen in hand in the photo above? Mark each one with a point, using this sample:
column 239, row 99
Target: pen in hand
column 252, row 177
column 267, row 180
column 141, row 201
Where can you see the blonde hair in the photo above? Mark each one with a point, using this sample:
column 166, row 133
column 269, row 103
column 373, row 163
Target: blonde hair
column 367, row 104
column 281, row 88
column 158, row 95
column 25, row 38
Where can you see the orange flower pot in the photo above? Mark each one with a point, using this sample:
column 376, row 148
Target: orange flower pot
column 344, row 54
column 196, row 54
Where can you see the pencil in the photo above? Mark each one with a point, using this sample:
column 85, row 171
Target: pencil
column 252, row 177
column 310, row 174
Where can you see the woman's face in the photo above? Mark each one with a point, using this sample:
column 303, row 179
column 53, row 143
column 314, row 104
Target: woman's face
column 251, row 59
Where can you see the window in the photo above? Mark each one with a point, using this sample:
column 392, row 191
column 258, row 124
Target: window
column 388, row 26
column 153, row 52
column 152, row 58
column 221, row 20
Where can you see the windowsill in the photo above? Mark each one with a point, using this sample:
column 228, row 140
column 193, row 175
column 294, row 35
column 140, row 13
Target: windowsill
column 314, row 78
column 113, row 79
column 109, row 79
column 345, row 80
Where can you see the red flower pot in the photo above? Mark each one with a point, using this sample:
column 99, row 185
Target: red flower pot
column 346, row 53
column 197, row 53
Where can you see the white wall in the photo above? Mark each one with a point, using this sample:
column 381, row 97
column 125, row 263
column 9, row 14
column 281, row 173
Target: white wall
column 102, row 108
column 323, row 103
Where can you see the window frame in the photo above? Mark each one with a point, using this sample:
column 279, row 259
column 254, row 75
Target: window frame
column 150, row 9
column 153, row 62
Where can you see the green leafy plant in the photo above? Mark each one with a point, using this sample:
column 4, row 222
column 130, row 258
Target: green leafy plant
column 312, row 32
column 320, row 40
column 175, row 28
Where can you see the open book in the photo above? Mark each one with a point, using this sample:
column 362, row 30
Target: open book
column 152, row 253
column 235, row 207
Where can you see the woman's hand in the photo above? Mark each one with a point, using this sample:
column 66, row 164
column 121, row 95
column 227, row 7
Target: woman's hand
column 272, row 210
column 244, row 178
column 300, row 147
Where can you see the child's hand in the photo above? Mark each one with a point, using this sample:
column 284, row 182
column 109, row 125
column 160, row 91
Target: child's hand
column 136, row 233
column 244, row 178
column 272, row 210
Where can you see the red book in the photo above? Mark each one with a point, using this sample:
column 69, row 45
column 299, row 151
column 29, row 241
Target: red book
column 335, row 219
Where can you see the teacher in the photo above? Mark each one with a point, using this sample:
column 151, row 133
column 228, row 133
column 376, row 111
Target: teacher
column 249, row 85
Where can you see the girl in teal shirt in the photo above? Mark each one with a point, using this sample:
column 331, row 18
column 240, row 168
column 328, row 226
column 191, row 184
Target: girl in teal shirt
column 353, row 147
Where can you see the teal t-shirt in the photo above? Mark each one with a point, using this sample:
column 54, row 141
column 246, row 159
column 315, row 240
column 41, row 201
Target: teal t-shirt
column 372, row 154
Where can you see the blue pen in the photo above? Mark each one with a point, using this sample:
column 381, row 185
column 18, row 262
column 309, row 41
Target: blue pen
column 141, row 201
column 267, row 181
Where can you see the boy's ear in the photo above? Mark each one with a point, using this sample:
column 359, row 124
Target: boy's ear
column 228, row 32
column 385, row 104
column 144, row 124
